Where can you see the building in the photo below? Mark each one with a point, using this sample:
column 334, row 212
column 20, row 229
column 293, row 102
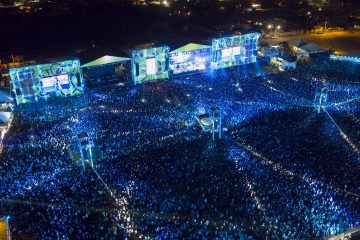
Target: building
column 284, row 62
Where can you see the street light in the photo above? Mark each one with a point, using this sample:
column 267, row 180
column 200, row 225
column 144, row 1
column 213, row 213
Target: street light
column 269, row 26
column 166, row 3
column 278, row 27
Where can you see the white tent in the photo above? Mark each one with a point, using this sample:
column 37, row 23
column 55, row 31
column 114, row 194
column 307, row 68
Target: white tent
column 312, row 48
column 4, row 119
column 5, row 96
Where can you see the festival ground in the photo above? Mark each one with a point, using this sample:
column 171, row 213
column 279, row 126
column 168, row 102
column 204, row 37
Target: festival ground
column 281, row 170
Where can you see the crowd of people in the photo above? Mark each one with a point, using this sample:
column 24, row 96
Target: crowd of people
column 280, row 171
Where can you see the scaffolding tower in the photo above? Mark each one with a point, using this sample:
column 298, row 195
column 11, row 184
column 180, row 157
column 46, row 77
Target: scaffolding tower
column 85, row 148
column 215, row 113
column 321, row 97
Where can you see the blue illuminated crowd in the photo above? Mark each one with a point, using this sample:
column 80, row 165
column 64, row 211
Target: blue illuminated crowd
column 280, row 171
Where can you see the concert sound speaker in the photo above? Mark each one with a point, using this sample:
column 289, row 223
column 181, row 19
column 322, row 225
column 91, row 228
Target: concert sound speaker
column 137, row 69
column 78, row 77
column 166, row 63
column 13, row 96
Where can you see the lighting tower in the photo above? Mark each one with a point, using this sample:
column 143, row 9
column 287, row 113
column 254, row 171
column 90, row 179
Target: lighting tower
column 85, row 148
column 321, row 97
column 216, row 121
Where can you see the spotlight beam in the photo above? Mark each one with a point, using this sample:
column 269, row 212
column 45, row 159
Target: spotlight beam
column 103, row 182
column 343, row 135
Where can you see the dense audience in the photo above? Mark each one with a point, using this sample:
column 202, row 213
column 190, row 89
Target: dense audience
column 281, row 170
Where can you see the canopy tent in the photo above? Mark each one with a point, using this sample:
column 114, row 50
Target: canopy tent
column 105, row 60
column 298, row 43
column 5, row 97
column 4, row 119
column 190, row 47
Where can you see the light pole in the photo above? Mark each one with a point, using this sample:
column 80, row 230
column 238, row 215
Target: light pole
column 278, row 27
column 270, row 27
column 7, row 227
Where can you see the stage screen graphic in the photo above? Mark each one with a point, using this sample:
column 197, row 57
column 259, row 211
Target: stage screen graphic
column 150, row 64
column 234, row 51
column 190, row 58
column 39, row 82
column 55, row 83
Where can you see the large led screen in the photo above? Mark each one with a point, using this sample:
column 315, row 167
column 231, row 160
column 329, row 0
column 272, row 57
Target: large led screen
column 189, row 61
column 54, row 83
column 234, row 51
column 150, row 64
column 39, row 82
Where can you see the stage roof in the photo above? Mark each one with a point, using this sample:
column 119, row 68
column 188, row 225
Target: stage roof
column 105, row 60
column 312, row 48
column 190, row 47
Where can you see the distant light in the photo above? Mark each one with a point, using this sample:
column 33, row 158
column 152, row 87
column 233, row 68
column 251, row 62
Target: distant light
column 278, row 27
column 166, row 3
column 269, row 26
